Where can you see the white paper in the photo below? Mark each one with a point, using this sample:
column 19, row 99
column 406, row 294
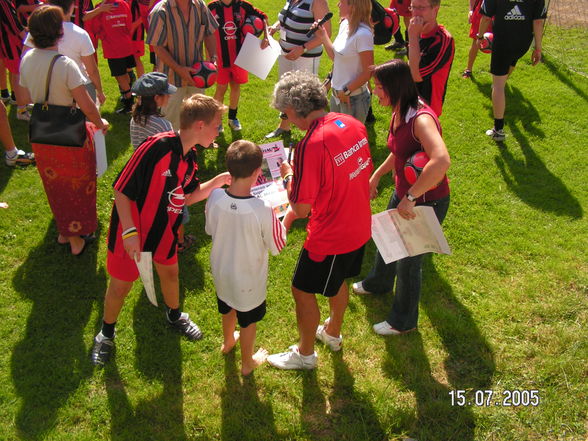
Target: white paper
column 269, row 185
column 145, row 266
column 397, row 238
column 100, row 149
column 256, row 60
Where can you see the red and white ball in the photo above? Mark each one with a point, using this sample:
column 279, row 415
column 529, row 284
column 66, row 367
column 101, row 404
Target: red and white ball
column 252, row 25
column 391, row 20
column 486, row 43
column 205, row 75
column 414, row 166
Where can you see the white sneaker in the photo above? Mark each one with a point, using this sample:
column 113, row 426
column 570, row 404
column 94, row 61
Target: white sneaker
column 235, row 125
column 384, row 328
column 496, row 135
column 333, row 343
column 359, row 289
column 293, row 360
column 23, row 114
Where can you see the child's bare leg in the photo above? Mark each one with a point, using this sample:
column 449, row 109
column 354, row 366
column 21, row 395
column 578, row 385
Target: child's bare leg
column 219, row 93
column 170, row 284
column 249, row 360
column 115, row 297
column 124, row 84
column 139, row 66
column 472, row 54
column 229, row 334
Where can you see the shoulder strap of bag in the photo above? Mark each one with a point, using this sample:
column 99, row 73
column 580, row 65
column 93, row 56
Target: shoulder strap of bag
column 49, row 74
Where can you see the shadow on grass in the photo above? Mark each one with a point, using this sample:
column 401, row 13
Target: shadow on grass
column 532, row 182
column 346, row 415
column 556, row 70
column 51, row 361
column 244, row 415
column 469, row 363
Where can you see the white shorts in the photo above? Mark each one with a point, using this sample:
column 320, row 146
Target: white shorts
column 172, row 110
column 308, row 64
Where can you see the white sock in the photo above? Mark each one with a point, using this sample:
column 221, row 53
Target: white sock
column 13, row 153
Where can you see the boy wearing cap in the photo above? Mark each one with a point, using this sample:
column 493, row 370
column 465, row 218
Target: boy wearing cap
column 149, row 194
column 243, row 229
column 152, row 91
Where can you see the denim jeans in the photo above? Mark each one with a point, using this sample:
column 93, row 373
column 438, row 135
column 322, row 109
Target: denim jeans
column 358, row 106
column 407, row 273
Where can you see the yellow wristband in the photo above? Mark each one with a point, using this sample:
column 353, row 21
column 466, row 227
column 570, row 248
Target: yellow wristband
column 131, row 234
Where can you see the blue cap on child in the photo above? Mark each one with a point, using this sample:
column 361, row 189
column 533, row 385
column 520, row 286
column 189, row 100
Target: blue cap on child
column 151, row 84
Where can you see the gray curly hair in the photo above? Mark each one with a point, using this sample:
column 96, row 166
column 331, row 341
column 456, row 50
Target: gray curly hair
column 301, row 91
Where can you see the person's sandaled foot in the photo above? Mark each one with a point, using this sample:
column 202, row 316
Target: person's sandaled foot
column 228, row 346
column 79, row 247
column 257, row 360
column 187, row 243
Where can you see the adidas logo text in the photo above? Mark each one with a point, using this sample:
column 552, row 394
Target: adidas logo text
column 514, row 14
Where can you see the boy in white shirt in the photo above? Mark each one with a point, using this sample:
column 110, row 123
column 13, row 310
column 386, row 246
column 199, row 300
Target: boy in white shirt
column 243, row 229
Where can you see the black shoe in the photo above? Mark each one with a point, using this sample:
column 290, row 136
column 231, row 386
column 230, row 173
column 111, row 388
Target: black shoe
column 102, row 350
column 132, row 78
column 187, row 327
column 127, row 106
column 370, row 117
column 395, row 46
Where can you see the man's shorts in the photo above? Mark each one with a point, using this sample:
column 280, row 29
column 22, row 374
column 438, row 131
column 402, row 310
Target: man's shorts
column 119, row 66
column 402, row 7
column 319, row 274
column 505, row 57
column 244, row 318
column 235, row 73
column 124, row 268
column 138, row 47
column 13, row 66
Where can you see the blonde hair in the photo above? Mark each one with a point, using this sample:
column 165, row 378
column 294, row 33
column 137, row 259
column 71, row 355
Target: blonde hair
column 360, row 11
column 199, row 107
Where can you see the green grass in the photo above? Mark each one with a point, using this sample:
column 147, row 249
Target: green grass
column 507, row 310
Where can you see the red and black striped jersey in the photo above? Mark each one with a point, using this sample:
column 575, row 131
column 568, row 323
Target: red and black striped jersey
column 10, row 28
column 156, row 179
column 24, row 16
column 81, row 7
column 437, row 50
column 230, row 20
column 139, row 32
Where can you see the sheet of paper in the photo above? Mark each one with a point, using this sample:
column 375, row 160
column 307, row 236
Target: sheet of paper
column 100, row 149
column 397, row 237
column 145, row 266
column 269, row 186
column 256, row 60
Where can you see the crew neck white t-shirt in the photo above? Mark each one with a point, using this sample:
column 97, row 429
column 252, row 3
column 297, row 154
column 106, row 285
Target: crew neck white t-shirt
column 347, row 64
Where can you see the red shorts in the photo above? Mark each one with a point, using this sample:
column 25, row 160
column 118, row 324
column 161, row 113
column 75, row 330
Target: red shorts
column 235, row 73
column 138, row 48
column 476, row 17
column 13, row 66
column 124, row 268
column 402, row 7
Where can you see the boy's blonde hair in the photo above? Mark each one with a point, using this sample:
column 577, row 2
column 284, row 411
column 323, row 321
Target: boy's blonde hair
column 243, row 158
column 199, row 107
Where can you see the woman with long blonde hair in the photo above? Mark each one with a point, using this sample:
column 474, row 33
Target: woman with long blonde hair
column 352, row 53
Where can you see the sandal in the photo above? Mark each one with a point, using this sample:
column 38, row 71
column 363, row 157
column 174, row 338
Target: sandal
column 466, row 74
column 189, row 240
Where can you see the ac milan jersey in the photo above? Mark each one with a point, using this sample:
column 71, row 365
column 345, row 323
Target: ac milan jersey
column 332, row 169
column 10, row 28
column 113, row 28
column 24, row 16
column 81, row 7
column 437, row 50
column 403, row 144
column 230, row 20
column 155, row 179
column 136, row 14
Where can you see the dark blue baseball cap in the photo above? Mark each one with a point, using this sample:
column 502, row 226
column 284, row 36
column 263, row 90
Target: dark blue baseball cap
column 151, row 84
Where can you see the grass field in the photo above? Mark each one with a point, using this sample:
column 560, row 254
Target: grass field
column 507, row 311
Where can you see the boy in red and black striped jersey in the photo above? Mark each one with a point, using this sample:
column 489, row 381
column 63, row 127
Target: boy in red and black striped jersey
column 430, row 52
column 231, row 15
column 149, row 194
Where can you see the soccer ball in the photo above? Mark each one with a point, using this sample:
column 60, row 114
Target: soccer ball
column 252, row 25
column 414, row 166
column 205, row 75
column 391, row 20
column 486, row 43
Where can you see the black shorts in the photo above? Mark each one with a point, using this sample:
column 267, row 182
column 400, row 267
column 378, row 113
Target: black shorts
column 505, row 56
column 244, row 318
column 119, row 66
column 325, row 274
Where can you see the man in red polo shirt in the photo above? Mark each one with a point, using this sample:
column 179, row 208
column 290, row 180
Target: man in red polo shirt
column 330, row 181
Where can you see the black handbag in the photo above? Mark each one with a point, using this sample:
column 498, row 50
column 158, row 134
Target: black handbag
column 57, row 125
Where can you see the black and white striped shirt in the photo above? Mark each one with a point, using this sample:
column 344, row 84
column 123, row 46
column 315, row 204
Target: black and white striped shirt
column 295, row 21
